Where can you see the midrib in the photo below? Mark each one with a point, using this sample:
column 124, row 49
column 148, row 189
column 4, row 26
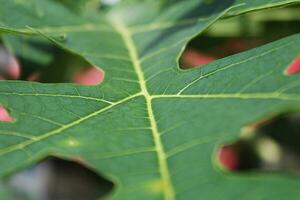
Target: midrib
column 167, row 185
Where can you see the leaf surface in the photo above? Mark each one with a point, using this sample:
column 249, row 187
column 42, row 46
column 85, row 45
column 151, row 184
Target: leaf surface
column 150, row 127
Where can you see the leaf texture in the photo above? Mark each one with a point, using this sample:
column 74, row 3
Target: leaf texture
column 150, row 127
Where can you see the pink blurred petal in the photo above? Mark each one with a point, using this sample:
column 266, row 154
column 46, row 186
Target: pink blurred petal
column 33, row 77
column 13, row 68
column 10, row 67
column 194, row 58
column 228, row 158
column 4, row 115
column 294, row 67
column 89, row 76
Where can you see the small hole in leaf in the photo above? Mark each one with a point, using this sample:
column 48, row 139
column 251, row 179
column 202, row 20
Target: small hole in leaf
column 5, row 116
column 294, row 67
column 58, row 179
column 272, row 145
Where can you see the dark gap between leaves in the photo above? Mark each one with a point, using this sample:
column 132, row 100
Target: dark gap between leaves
column 234, row 35
column 58, row 179
column 272, row 145
column 70, row 68
column 46, row 64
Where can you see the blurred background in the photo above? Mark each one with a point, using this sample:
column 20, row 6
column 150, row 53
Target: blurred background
column 271, row 145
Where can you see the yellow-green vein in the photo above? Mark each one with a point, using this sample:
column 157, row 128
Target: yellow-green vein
column 168, row 189
column 61, row 129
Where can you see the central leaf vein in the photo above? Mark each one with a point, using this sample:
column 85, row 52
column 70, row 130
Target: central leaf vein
column 126, row 35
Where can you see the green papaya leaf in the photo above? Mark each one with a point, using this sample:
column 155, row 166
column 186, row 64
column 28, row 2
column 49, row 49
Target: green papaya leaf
column 150, row 127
